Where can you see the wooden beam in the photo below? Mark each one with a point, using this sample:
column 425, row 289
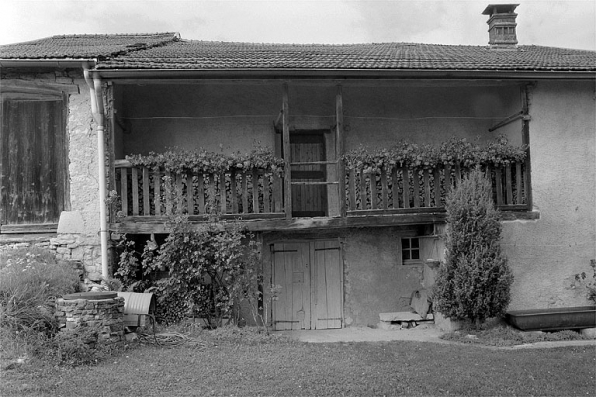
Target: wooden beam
column 339, row 142
column 526, row 141
column 286, row 152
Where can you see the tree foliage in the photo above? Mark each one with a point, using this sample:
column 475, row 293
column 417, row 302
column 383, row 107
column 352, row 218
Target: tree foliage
column 474, row 282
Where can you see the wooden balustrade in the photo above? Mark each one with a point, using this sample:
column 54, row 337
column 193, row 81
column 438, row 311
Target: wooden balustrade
column 410, row 190
column 147, row 192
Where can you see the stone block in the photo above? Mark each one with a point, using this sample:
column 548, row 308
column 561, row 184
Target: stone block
column 445, row 324
column 589, row 332
column 71, row 222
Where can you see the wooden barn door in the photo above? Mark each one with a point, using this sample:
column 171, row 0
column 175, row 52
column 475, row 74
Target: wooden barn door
column 311, row 278
column 33, row 161
column 308, row 198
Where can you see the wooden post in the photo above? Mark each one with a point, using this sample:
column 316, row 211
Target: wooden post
column 135, row 190
column 201, row 192
column 146, row 206
column 190, row 204
column 124, row 191
column 526, row 141
column 339, row 143
column 255, row 191
column 286, row 151
column 157, row 192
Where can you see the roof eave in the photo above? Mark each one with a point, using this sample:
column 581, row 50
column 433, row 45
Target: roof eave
column 342, row 73
column 61, row 63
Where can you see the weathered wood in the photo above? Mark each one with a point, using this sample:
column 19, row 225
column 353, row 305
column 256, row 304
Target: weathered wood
column 33, row 228
column 211, row 197
column 508, row 184
column 352, row 189
column 339, row 143
column 499, row 185
column 384, row 188
column 124, row 190
column 277, row 194
column 146, row 192
column 201, row 192
column 223, row 202
column 448, row 183
column 286, row 151
column 266, row 198
column 518, row 183
column 416, row 187
column 395, row 188
column 255, row 192
column 372, row 182
column 245, row 194
column 406, row 186
column 190, row 194
column 457, row 174
column 426, row 181
column 135, row 190
column 233, row 192
column 157, row 192
column 168, row 191
column 437, row 178
column 363, row 205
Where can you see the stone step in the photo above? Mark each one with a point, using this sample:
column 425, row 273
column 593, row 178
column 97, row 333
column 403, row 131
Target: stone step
column 403, row 316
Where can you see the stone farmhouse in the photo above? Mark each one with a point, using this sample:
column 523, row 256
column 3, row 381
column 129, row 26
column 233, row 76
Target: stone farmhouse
column 344, row 242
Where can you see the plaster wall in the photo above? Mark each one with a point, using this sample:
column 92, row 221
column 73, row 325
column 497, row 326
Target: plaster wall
column 235, row 116
column 546, row 253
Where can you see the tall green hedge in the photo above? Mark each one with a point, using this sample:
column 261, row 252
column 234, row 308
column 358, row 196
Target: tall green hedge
column 474, row 282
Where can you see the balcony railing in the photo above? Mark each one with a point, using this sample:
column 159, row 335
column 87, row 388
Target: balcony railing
column 147, row 193
column 408, row 190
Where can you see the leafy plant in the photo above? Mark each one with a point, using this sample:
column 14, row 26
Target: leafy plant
column 182, row 161
column 583, row 280
column 423, row 156
column 474, row 282
column 206, row 269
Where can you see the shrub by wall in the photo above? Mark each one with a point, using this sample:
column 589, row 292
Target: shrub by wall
column 474, row 282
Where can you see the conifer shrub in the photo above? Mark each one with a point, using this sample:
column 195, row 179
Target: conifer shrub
column 474, row 282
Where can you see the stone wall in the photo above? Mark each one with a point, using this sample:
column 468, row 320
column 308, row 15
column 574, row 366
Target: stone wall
column 77, row 235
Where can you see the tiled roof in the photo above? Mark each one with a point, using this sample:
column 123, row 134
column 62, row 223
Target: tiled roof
column 168, row 51
column 222, row 55
column 85, row 46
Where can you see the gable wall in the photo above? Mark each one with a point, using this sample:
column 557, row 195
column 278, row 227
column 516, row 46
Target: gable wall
column 546, row 253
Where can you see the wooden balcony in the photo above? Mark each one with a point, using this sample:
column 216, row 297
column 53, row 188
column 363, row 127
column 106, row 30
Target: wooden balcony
column 400, row 197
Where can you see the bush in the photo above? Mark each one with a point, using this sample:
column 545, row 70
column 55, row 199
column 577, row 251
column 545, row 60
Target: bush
column 30, row 280
column 474, row 282
column 199, row 271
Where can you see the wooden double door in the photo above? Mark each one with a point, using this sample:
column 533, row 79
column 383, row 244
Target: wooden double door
column 310, row 275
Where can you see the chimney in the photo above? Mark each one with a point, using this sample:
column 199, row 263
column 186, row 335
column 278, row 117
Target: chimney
column 501, row 25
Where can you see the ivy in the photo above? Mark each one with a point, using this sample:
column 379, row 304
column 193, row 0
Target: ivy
column 182, row 161
column 424, row 156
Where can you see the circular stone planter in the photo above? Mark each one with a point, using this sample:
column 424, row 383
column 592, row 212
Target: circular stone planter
column 103, row 311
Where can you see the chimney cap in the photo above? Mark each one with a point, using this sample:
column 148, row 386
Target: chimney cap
column 492, row 9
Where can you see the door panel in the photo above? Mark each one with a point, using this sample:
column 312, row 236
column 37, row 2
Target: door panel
column 308, row 200
column 311, row 277
column 328, row 285
column 291, row 271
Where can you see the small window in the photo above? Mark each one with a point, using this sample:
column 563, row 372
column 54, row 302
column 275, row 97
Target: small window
column 410, row 250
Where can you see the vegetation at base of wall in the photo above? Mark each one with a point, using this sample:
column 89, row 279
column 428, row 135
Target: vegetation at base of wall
column 200, row 271
column 474, row 282
column 183, row 161
column 424, row 156
column 586, row 282
column 30, row 281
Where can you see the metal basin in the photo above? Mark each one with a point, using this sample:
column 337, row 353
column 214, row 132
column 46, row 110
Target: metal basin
column 553, row 319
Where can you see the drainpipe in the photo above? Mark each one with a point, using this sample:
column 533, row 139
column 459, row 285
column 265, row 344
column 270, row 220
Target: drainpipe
column 97, row 110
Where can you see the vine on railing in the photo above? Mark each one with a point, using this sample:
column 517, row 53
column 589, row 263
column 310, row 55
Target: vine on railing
column 455, row 151
column 180, row 161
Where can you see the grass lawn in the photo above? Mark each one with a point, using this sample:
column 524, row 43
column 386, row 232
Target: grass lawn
column 287, row 368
